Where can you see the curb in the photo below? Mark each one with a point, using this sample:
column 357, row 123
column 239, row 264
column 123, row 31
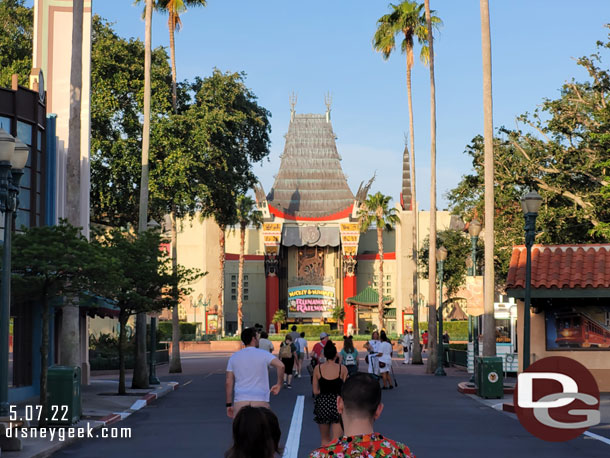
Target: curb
column 102, row 422
column 469, row 388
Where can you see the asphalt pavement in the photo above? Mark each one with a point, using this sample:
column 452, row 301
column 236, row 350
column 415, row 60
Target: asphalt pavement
column 425, row 412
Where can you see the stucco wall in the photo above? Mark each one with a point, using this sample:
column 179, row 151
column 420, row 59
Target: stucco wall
column 597, row 361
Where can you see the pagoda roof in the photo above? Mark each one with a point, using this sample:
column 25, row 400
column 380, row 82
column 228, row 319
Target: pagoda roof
column 368, row 297
column 310, row 183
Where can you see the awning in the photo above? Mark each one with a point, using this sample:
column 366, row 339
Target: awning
column 369, row 297
column 92, row 305
column 310, row 236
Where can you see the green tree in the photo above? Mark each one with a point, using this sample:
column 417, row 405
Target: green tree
column 376, row 211
column 17, row 23
column 117, row 108
column 279, row 317
column 407, row 19
column 144, row 273
column 247, row 215
column 561, row 150
column 454, row 270
column 54, row 262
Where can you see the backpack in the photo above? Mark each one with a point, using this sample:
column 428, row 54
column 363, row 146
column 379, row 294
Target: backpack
column 349, row 359
column 285, row 351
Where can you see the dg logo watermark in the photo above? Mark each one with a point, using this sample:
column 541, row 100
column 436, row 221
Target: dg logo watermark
column 557, row 399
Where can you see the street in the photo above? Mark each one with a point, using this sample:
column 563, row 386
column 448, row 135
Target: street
column 425, row 412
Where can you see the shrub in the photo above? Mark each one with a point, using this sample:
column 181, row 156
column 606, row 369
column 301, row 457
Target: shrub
column 164, row 330
column 458, row 330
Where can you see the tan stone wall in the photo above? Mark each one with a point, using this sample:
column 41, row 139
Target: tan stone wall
column 598, row 362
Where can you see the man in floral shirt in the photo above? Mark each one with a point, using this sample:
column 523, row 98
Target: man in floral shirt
column 359, row 406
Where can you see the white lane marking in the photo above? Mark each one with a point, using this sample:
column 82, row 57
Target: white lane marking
column 603, row 439
column 291, row 449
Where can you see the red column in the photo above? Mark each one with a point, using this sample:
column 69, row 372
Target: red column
column 272, row 300
column 349, row 290
column 272, row 287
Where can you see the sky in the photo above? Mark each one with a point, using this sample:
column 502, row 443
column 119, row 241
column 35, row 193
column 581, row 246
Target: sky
column 320, row 46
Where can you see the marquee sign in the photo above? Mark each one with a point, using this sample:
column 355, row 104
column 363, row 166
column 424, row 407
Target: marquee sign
column 313, row 301
column 272, row 236
column 350, row 236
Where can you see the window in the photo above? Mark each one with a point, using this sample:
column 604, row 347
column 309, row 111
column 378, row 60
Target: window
column 233, row 297
column 232, row 284
column 233, row 277
column 245, row 290
column 245, row 297
column 245, row 278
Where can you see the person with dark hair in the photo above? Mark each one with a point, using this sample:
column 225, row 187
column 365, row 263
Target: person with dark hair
column 372, row 346
column 359, row 406
column 385, row 360
column 303, row 352
column 247, row 373
column 256, row 434
column 349, row 355
column 288, row 355
column 295, row 341
column 328, row 378
column 264, row 343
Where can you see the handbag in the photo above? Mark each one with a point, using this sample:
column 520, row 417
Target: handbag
column 381, row 364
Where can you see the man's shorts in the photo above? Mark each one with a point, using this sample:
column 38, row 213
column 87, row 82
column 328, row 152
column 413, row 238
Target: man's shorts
column 301, row 356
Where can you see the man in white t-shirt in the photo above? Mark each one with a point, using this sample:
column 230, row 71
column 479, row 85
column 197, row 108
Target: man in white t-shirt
column 248, row 375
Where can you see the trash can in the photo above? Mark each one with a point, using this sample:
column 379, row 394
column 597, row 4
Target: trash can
column 489, row 377
column 63, row 383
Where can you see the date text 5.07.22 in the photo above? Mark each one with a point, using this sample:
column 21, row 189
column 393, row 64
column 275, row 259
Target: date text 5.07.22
column 34, row 412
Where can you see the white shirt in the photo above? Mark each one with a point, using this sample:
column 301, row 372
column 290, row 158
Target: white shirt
column 386, row 349
column 265, row 344
column 249, row 366
column 373, row 350
column 302, row 344
column 406, row 340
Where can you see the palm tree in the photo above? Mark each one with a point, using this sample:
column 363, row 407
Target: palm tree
column 489, row 334
column 376, row 210
column 140, row 378
column 70, row 354
column 432, row 257
column 248, row 215
column 174, row 8
column 407, row 19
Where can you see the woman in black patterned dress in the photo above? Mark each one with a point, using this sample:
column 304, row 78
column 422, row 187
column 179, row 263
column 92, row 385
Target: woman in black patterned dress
column 328, row 379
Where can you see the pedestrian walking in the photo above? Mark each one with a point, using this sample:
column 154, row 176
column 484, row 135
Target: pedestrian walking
column 317, row 354
column 359, row 406
column 372, row 347
column 349, row 356
column 328, row 378
column 424, row 337
column 385, row 360
column 406, row 343
column 303, row 352
column 288, row 355
column 256, row 433
column 264, row 343
column 295, row 340
column 247, row 379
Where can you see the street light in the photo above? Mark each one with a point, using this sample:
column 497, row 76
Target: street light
column 530, row 203
column 474, row 229
column 13, row 157
column 441, row 255
column 152, row 372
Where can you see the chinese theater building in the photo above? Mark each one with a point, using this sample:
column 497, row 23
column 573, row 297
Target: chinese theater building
column 310, row 229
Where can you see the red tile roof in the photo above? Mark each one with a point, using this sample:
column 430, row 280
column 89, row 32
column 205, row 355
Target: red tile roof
column 562, row 266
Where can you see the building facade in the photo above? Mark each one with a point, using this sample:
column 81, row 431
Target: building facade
column 309, row 256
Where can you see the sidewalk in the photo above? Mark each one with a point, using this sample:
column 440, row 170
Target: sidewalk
column 101, row 407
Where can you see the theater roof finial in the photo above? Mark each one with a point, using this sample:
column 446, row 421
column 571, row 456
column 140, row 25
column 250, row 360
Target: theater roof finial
column 293, row 103
column 328, row 100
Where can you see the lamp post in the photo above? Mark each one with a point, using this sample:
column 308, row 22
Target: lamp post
column 441, row 255
column 13, row 157
column 474, row 229
column 152, row 371
column 530, row 203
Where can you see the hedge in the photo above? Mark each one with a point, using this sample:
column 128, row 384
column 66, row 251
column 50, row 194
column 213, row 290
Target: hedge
column 458, row 330
column 164, row 330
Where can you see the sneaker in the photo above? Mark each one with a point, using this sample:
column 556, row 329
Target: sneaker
column 289, row 386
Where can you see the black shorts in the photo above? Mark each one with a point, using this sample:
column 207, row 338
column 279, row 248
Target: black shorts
column 288, row 364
